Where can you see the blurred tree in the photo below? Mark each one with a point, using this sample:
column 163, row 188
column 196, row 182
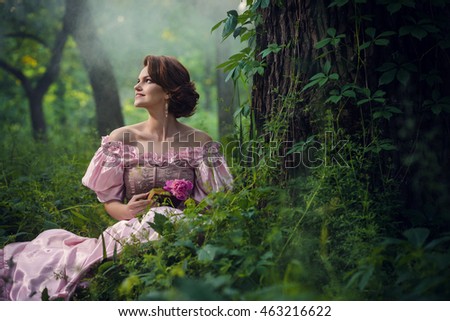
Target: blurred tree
column 36, row 86
column 36, row 64
column 225, row 95
column 142, row 27
column 97, row 64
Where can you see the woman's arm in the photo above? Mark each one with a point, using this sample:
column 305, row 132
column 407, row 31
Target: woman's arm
column 120, row 211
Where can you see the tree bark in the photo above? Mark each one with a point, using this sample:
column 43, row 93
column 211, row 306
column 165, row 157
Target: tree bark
column 99, row 68
column 298, row 26
column 417, row 133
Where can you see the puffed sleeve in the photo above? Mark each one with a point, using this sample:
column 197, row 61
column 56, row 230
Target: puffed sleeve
column 211, row 173
column 104, row 174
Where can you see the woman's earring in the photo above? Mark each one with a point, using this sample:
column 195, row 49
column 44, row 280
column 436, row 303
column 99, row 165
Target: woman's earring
column 167, row 109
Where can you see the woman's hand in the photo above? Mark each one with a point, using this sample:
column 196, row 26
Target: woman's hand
column 135, row 205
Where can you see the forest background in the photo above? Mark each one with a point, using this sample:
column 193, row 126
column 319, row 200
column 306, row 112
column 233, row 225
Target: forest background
column 334, row 120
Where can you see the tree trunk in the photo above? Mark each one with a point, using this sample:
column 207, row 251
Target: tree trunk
column 99, row 68
column 418, row 133
column 38, row 123
column 298, row 26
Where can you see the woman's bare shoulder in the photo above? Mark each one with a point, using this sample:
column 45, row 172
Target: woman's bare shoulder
column 195, row 135
column 125, row 134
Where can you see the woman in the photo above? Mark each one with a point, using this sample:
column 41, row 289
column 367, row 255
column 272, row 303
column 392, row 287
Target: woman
column 157, row 153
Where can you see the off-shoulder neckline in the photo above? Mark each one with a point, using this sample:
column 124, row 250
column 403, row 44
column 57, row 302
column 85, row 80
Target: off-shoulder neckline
column 121, row 149
column 107, row 139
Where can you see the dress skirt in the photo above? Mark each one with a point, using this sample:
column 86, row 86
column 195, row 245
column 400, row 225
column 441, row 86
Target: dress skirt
column 57, row 259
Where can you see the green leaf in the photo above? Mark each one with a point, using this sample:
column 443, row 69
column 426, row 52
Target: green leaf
column 391, row 241
column 403, row 76
column 217, row 25
column 335, row 41
column 207, row 253
column 444, row 44
column 405, row 30
column 331, row 32
column 365, row 45
column 409, row 3
column 379, row 93
column 365, row 91
column 430, row 28
column 322, row 43
column 436, row 242
column 237, row 32
column 158, row 223
column 362, row 102
column 334, row 76
column 338, row 3
column 410, row 67
column 323, row 82
column 256, row 4
column 394, row 7
column 387, row 77
column 327, row 67
column 246, row 36
column 319, row 75
column 44, row 295
column 382, row 114
column 311, row 84
column 105, row 256
column 272, row 48
column 419, row 33
column 382, row 42
column 436, row 109
column 365, row 277
column 349, row 93
column 393, row 109
column 265, row 4
column 371, row 32
column 333, row 99
column 387, row 146
column 80, row 216
column 386, row 34
column 310, row 139
column 230, row 23
column 234, row 73
column 417, row 236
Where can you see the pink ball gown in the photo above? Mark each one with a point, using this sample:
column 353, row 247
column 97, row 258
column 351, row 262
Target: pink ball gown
column 57, row 259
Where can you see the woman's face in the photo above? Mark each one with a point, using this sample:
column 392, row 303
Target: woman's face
column 147, row 94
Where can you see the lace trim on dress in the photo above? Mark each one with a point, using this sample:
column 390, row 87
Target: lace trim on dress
column 117, row 152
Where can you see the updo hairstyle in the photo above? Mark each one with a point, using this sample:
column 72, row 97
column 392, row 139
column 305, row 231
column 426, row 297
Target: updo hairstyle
column 174, row 78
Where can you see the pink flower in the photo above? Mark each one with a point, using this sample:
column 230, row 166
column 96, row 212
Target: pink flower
column 180, row 188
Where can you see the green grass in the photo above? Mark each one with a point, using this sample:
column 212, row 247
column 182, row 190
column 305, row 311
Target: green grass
column 317, row 237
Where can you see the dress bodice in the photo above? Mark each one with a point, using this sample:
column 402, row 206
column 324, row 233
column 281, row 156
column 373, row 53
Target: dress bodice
column 141, row 179
column 118, row 171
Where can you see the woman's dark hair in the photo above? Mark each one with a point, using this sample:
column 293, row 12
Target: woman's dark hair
column 174, row 78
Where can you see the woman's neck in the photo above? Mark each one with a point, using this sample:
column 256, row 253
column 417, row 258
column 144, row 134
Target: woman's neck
column 161, row 127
